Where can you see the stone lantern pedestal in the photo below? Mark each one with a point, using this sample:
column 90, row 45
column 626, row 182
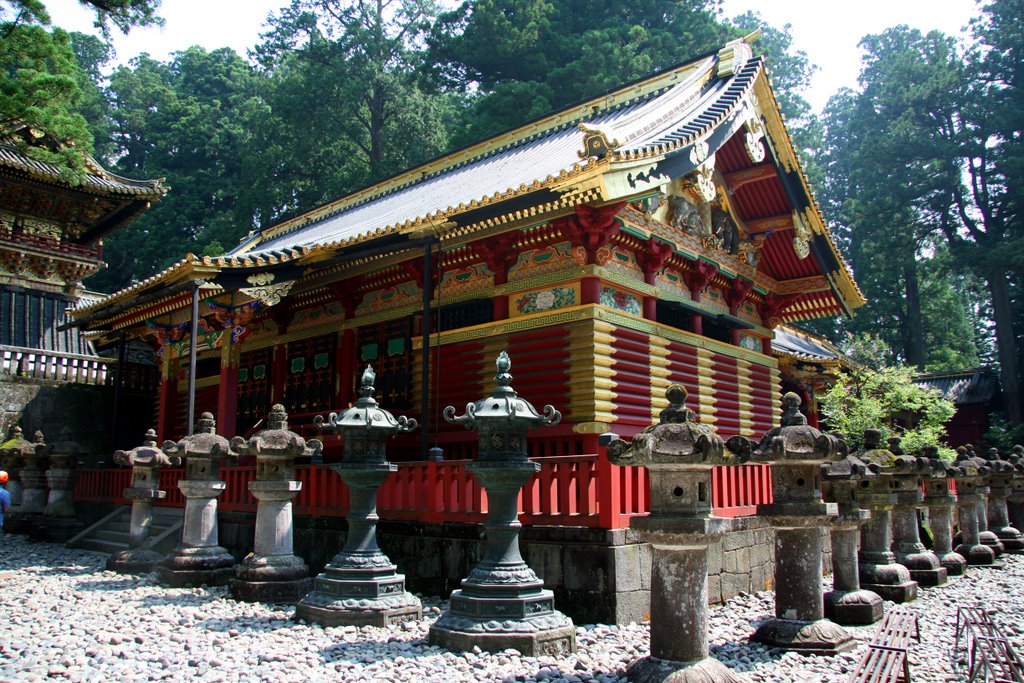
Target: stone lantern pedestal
column 1000, row 482
column 199, row 559
column 146, row 462
column 679, row 453
column 1015, row 501
column 969, row 472
column 26, row 485
column 59, row 521
column 940, row 502
column 847, row 603
column 879, row 570
column 796, row 452
column 360, row 586
column 272, row 572
column 502, row 603
column 905, row 482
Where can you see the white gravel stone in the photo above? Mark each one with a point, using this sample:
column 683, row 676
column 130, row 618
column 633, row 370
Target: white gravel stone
column 67, row 619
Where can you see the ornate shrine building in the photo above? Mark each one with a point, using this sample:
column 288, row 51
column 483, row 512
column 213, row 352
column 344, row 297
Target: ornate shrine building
column 50, row 237
column 656, row 234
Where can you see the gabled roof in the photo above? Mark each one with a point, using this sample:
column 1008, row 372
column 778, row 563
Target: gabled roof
column 804, row 346
column 122, row 198
column 623, row 145
column 962, row 387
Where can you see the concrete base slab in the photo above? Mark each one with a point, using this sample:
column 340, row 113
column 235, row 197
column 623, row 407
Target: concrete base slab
column 853, row 608
column 56, row 529
column 930, row 577
column 20, row 522
column 282, row 592
column 898, row 593
column 133, row 561
column 654, row 670
column 376, row 615
column 821, row 637
column 531, row 642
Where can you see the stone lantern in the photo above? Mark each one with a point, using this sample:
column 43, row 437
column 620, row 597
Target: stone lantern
column 502, row 603
column 59, row 521
column 987, row 537
column 969, row 473
column 679, row 453
column 146, row 462
column 1015, row 503
column 847, row 603
column 879, row 570
column 360, row 587
column 14, row 452
column 905, row 482
column 272, row 572
column 796, row 452
column 1000, row 482
column 940, row 500
column 32, row 479
column 199, row 559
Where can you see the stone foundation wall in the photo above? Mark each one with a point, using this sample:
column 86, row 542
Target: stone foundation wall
column 598, row 576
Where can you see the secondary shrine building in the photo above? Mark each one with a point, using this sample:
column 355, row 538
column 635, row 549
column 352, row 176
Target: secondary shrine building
column 655, row 234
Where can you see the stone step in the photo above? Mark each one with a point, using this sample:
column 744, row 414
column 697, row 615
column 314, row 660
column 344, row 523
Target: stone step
column 100, row 546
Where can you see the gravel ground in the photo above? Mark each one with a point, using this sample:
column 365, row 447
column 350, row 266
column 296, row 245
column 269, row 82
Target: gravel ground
column 64, row 618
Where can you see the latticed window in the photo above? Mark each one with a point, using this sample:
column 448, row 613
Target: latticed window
column 465, row 314
column 253, row 388
column 388, row 347
column 309, row 383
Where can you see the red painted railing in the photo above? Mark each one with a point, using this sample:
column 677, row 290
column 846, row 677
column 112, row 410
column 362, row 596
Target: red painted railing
column 573, row 490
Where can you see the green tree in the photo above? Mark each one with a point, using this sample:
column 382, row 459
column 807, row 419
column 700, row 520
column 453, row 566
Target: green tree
column 39, row 86
column 122, row 14
column 189, row 121
column 347, row 106
column 887, row 192
column 888, row 400
column 526, row 58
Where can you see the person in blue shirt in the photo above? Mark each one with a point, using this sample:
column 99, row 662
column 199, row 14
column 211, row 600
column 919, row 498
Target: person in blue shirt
column 5, row 497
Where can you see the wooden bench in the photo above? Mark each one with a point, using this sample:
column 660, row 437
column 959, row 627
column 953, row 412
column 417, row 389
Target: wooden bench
column 886, row 658
column 992, row 658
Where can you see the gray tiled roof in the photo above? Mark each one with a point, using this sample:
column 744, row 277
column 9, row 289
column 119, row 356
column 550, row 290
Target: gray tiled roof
column 663, row 118
column 787, row 341
column 965, row 387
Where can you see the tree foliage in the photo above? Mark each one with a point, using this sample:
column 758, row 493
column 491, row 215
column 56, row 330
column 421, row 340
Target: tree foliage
column 886, row 399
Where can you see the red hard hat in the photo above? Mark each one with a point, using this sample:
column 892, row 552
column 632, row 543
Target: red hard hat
column 3, row 477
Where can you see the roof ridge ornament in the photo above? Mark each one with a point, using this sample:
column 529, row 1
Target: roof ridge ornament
column 735, row 54
column 598, row 141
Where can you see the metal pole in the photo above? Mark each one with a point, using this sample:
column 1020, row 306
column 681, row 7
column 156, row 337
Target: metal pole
column 428, row 294
column 115, row 428
column 192, row 360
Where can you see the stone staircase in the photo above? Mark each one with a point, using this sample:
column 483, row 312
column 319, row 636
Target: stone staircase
column 110, row 534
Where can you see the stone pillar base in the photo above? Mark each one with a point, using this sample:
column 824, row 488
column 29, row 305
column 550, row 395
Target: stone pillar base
column 821, row 637
column 552, row 635
column 654, row 670
column 992, row 541
column 284, row 592
column 954, row 563
column 353, row 612
column 271, row 578
column 133, row 561
column 1011, row 539
column 853, row 608
column 891, row 581
column 20, row 522
column 978, row 555
column 210, row 565
column 930, row 577
column 56, row 529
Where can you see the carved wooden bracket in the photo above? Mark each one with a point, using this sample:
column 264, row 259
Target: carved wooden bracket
column 773, row 308
column 592, row 227
column 737, row 293
column 698, row 278
column 655, row 256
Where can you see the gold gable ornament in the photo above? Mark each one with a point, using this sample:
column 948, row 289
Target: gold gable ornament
column 264, row 290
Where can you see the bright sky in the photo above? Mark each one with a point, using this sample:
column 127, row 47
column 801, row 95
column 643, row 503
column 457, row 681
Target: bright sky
column 827, row 30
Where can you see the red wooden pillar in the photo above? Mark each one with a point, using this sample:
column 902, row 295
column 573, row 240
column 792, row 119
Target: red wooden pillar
column 609, row 492
column 345, row 361
column 227, row 389
column 651, row 302
column 168, row 395
column 590, row 290
column 279, row 373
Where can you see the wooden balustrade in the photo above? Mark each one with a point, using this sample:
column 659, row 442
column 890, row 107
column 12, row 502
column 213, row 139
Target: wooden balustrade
column 72, row 368
column 569, row 490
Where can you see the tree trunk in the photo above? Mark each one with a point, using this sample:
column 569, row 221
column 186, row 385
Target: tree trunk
column 913, row 334
column 1009, row 375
